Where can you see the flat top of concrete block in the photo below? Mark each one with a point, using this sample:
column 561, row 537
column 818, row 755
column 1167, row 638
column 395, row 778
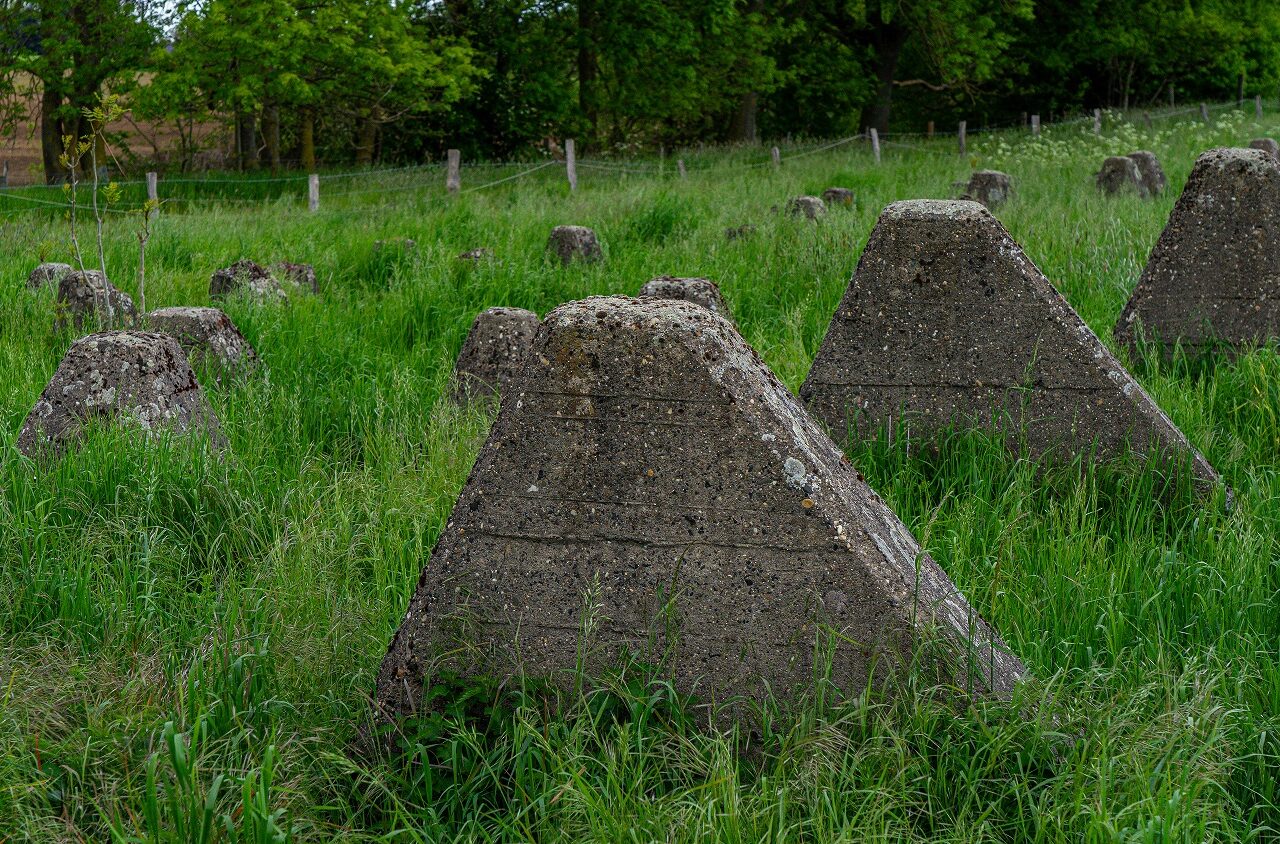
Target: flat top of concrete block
column 129, row 341
column 507, row 312
column 935, row 209
column 188, row 311
column 1224, row 157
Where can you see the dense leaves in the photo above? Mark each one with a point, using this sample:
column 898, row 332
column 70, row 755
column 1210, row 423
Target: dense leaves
column 283, row 82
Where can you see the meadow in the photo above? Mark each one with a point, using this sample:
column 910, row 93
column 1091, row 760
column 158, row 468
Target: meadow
column 188, row 644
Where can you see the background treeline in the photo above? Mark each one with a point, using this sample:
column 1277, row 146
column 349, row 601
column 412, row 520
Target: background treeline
column 301, row 82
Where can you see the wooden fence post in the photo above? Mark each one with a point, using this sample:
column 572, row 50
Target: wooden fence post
column 313, row 192
column 453, row 179
column 777, row 157
column 961, row 136
column 1146, row 118
column 1204, row 112
column 1257, row 108
column 1097, row 121
column 875, row 144
column 931, row 130
column 571, row 164
column 4, row 178
column 680, row 167
column 1035, row 124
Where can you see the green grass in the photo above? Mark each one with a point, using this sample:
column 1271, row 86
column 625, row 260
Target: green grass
column 187, row 645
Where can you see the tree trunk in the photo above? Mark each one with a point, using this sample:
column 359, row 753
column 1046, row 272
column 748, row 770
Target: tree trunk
column 366, row 137
column 588, row 66
column 744, row 119
column 308, row 140
column 51, row 136
column 743, row 128
column 186, row 152
column 248, row 140
column 887, row 41
column 271, row 136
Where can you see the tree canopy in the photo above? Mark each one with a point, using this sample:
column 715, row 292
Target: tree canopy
column 297, row 82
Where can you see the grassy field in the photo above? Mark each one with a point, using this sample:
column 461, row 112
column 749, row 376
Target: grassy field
column 187, row 645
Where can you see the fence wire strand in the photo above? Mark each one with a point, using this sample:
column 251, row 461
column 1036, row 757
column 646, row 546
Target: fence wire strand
column 662, row 169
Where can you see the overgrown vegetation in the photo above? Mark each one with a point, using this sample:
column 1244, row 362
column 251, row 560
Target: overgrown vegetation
column 187, row 644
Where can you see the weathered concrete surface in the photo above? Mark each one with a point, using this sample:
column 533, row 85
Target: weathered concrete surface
column 946, row 322
column 50, row 273
column 1267, row 145
column 246, row 278
column 302, row 276
column 809, row 207
column 990, row 187
column 648, row 465
column 139, row 378
column 574, row 243
column 88, row 302
column 477, row 255
column 1214, row 274
column 838, row 196
column 699, row 291
column 1120, row 173
column 206, row 335
column 494, row 352
column 1149, row 169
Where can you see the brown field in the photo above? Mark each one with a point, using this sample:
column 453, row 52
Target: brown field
column 136, row 145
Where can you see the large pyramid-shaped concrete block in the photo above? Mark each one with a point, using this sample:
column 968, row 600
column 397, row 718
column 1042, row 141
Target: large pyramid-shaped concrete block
column 1119, row 174
column 946, row 322
column 1149, row 169
column 88, row 302
column 1214, row 274
column 574, row 243
column 990, row 187
column 47, row 274
column 247, row 278
column 699, row 291
column 1267, row 145
column 207, row 335
column 649, row 473
column 141, row 378
column 494, row 352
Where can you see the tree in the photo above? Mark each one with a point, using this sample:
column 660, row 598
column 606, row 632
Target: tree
column 959, row 44
column 266, row 63
column 74, row 47
column 525, row 89
column 368, row 62
column 672, row 69
column 1134, row 53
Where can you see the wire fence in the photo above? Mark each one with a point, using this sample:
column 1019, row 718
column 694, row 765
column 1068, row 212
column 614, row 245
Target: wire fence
column 355, row 188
